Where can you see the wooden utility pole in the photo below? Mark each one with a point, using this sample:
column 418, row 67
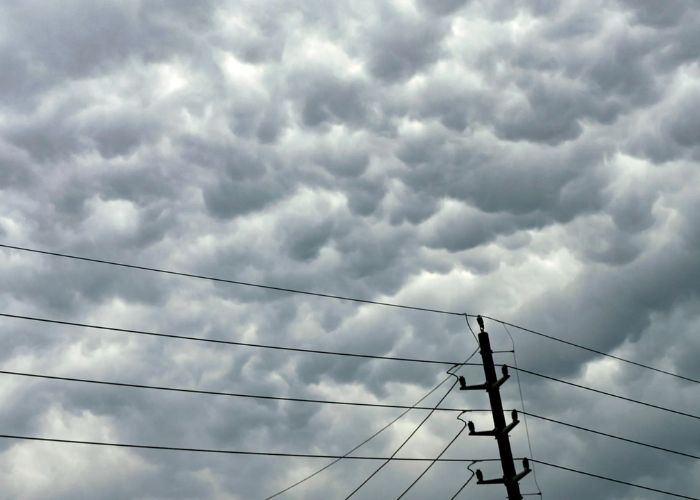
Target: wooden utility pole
column 500, row 431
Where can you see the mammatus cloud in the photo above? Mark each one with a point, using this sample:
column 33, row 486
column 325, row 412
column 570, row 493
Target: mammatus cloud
column 535, row 161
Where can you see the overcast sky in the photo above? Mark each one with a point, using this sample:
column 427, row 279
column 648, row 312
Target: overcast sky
column 535, row 161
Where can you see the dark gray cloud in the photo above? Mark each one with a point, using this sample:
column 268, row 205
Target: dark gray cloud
column 535, row 161
column 401, row 45
column 328, row 99
column 443, row 7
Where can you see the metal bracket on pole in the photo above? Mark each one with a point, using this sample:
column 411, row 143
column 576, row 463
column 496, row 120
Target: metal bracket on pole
column 485, row 386
column 464, row 387
column 500, row 381
column 502, row 480
column 495, row 432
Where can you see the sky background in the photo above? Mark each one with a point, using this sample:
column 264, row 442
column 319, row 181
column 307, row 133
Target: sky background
column 535, row 161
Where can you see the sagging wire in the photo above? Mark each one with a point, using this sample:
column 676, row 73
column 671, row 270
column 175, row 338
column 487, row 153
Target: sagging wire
column 469, row 468
column 384, row 464
column 449, row 371
column 402, row 414
column 466, row 317
column 524, row 412
column 464, row 426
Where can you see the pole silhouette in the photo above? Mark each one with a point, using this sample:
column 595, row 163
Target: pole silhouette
column 510, row 478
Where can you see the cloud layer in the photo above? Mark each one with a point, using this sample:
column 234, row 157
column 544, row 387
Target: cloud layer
column 535, row 161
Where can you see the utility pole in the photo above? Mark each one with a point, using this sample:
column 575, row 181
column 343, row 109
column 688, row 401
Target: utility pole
column 500, row 431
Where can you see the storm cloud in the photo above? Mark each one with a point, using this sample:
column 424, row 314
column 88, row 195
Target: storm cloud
column 535, row 161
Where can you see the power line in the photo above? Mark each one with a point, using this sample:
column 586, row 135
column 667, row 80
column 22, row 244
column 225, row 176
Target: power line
column 596, row 351
column 612, row 436
column 522, row 404
column 228, row 342
column 402, row 414
column 228, row 452
column 617, row 396
column 459, row 417
column 469, row 468
column 430, row 465
column 307, row 455
column 466, row 317
column 619, row 481
column 346, row 403
column 380, row 430
column 229, row 394
column 393, row 455
column 229, row 281
column 315, row 351
column 318, row 401
column 340, row 297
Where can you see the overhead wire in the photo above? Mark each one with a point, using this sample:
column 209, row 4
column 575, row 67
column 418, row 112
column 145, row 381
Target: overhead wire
column 415, row 430
column 430, row 465
column 406, row 408
column 296, row 399
column 612, row 436
column 469, row 468
column 475, row 462
column 459, row 417
column 466, row 317
column 315, row 351
column 331, row 402
column 522, row 404
column 73, row 379
column 341, row 297
column 402, row 414
column 229, row 394
column 614, row 480
column 228, row 342
column 393, row 455
column 380, row 405
column 324, row 456
column 610, row 394
column 225, row 280
column 370, row 437
column 221, row 451
column 595, row 351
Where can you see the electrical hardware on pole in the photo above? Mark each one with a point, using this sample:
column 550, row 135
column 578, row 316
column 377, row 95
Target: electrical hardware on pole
column 510, row 477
